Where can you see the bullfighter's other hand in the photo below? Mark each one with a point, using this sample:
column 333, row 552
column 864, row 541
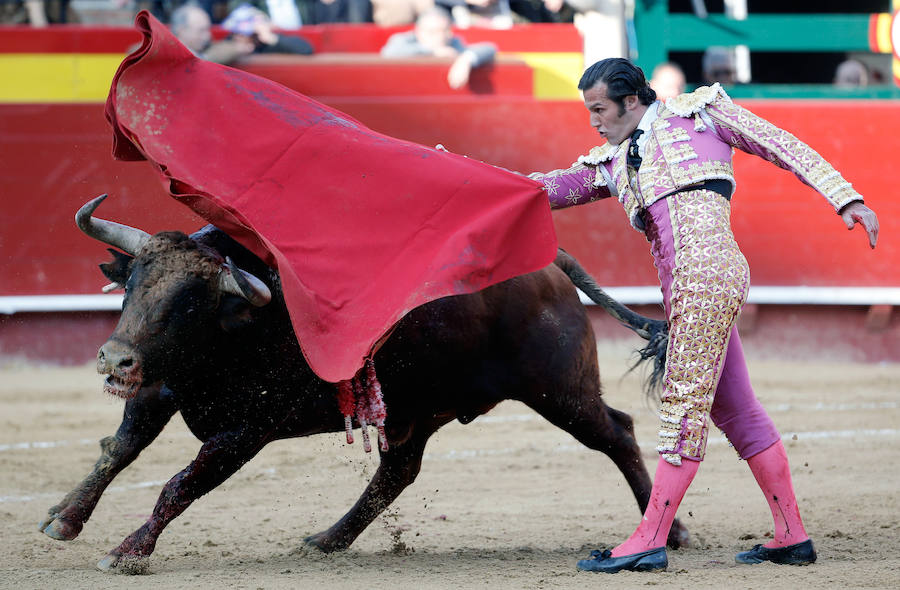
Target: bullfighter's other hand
column 855, row 213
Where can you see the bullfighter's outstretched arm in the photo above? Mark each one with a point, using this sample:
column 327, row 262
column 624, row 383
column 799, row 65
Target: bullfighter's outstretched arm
column 581, row 183
column 754, row 135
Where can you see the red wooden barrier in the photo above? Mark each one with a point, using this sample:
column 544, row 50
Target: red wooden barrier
column 54, row 157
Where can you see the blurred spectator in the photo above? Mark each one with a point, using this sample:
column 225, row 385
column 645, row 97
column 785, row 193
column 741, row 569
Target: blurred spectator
column 37, row 13
column 719, row 65
column 191, row 25
column 337, row 11
column 851, row 73
column 37, row 16
column 602, row 26
column 284, row 14
column 395, row 13
column 250, row 26
column 251, row 32
column 668, row 80
column 488, row 14
column 161, row 9
column 315, row 12
column 217, row 9
column 432, row 36
column 541, row 11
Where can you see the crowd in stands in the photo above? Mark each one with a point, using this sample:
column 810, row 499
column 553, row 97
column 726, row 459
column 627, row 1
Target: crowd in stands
column 294, row 13
column 253, row 27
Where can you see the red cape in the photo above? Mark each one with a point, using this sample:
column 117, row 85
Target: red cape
column 362, row 227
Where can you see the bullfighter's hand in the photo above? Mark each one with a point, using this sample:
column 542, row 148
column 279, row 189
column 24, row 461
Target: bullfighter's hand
column 855, row 213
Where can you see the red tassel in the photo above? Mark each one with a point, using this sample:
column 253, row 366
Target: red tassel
column 377, row 411
column 360, row 389
column 347, row 405
column 362, row 397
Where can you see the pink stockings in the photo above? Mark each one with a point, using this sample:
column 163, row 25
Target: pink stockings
column 772, row 472
column 669, row 486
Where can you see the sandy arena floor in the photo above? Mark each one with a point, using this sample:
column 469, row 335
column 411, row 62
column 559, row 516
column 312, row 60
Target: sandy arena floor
column 507, row 502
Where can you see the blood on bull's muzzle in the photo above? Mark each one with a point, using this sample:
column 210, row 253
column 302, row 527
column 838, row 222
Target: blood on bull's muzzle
column 123, row 366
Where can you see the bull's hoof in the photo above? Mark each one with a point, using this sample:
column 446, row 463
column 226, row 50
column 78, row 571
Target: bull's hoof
column 679, row 537
column 130, row 565
column 58, row 529
column 321, row 543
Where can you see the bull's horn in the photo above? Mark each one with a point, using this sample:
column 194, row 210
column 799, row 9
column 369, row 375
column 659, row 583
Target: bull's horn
column 239, row 282
column 127, row 239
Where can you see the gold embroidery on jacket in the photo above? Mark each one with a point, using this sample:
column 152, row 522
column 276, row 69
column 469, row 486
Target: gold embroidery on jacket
column 552, row 186
column 699, row 171
column 627, row 196
column 690, row 103
column 669, row 135
column 654, row 175
column 598, row 154
column 709, row 285
column 676, row 153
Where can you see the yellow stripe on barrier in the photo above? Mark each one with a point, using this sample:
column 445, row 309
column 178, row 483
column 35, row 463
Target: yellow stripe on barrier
column 556, row 75
column 86, row 77
column 71, row 77
column 883, row 33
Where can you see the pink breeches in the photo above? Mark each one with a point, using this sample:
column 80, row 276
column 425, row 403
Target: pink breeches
column 704, row 279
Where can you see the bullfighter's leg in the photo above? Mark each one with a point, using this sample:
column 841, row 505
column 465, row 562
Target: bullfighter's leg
column 145, row 415
column 602, row 428
column 219, row 458
column 705, row 280
column 738, row 413
column 398, row 468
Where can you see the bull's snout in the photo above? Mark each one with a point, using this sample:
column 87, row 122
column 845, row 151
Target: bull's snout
column 123, row 366
column 115, row 358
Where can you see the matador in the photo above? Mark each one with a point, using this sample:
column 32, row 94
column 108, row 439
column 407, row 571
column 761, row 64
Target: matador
column 670, row 166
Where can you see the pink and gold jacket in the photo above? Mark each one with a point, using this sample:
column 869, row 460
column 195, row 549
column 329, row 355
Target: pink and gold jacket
column 691, row 140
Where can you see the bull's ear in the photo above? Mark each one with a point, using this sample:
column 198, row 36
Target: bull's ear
column 117, row 270
column 234, row 313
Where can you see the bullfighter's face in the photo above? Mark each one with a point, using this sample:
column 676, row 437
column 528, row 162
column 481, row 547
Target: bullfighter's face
column 610, row 119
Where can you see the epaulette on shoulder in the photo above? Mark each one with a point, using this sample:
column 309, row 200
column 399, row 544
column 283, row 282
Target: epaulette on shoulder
column 690, row 103
column 598, row 155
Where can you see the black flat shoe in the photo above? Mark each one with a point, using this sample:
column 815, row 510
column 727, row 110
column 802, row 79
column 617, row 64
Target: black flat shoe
column 603, row 561
column 797, row 554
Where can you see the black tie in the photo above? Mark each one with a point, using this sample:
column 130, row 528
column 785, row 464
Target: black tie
column 634, row 158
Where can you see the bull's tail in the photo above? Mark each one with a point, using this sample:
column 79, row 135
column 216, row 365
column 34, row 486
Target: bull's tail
column 656, row 332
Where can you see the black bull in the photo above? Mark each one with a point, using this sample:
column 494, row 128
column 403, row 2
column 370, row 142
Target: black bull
column 194, row 340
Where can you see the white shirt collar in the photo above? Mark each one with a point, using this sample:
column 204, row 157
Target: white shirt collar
column 650, row 115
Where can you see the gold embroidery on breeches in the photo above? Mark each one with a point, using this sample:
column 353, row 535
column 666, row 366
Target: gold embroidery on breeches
column 709, row 285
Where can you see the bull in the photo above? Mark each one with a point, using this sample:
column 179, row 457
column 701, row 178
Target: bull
column 204, row 331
